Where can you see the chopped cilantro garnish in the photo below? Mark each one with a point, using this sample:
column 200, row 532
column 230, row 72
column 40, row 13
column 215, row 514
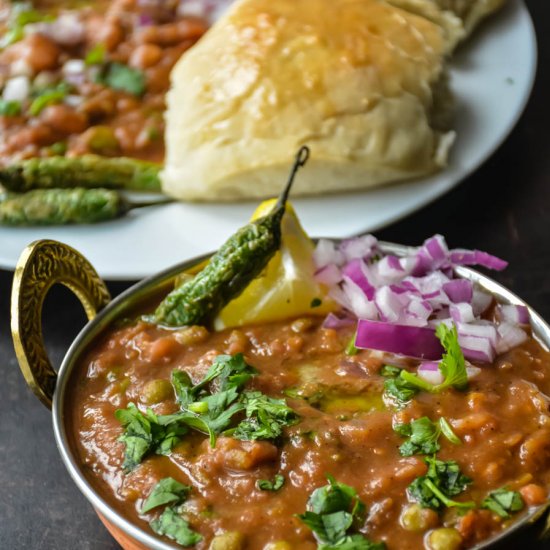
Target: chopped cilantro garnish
column 388, row 371
column 49, row 96
column 268, row 485
column 452, row 365
column 10, row 108
column 21, row 15
column 146, row 433
column 96, row 56
column 334, row 514
column 503, row 502
column 166, row 491
column 265, row 417
column 170, row 524
column 400, row 389
column 443, row 480
column 423, row 436
column 210, row 412
column 124, row 78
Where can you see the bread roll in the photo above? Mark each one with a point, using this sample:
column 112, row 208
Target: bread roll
column 362, row 82
column 468, row 12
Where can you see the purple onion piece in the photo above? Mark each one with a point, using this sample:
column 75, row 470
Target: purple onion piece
column 459, row 290
column 417, row 342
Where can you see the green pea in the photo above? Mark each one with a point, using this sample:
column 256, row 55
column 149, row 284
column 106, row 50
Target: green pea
column 279, row 545
column 231, row 540
column 156, row 391
column 416, row 518
column 445, row 538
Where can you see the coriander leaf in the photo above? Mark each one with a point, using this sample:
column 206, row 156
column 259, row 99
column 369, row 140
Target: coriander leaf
column 166, row 491
column 49, row 96
column 231, row 371
column 332, row 512
column 96, row 56
column 452, row 365
column 146, row 433
column 10, row 108
column 267, row 485
column 173, row 526
column 503, row 502
column 399, row 389
column 443, row 480
column 447, row 431
column 265, row 417
column 124, row 78
column 423, row 437
column 388, row 371
column 335, row 525
column 403, row 430
column 353, row 542
column 183, row 387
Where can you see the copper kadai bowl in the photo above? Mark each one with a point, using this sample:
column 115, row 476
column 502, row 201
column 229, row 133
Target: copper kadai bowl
column 45, row 263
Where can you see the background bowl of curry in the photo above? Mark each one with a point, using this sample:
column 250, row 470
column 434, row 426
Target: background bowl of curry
column 45, row 263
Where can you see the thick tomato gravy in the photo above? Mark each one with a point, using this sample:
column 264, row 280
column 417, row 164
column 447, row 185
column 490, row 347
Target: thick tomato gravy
column 345, row 429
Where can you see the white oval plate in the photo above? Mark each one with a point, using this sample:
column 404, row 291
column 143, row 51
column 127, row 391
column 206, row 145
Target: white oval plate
column 492, row 77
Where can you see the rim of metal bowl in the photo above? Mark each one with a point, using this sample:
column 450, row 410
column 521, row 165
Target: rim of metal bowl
column 144, row 288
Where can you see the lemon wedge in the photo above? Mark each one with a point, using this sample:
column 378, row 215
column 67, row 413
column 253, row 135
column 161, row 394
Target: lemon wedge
column 287, row 287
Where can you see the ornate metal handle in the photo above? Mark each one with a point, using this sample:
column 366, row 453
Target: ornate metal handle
column 41, row 265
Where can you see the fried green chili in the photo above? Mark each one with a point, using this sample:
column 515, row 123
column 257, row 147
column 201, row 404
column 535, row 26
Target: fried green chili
column 242, row 258
column 89, row 171
column 64, row 206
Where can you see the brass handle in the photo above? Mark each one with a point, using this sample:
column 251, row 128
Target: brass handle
column 41, row 265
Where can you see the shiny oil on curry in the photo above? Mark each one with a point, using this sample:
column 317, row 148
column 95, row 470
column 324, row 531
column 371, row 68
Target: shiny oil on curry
column 345, row 429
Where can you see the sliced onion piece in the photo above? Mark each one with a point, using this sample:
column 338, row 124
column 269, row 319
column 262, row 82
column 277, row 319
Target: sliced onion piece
column 417, row 342
column 356, row 301
column 430, row 372
column 481, row 301
column 356, row 271
column 326, row 253
column 359, row 247
column 510, row 336
column 518, row 315
column 477, row 257
column 17, row 88
column 461, row 313
column 333, row 321
column 477, row 349
column 459, row 290
column 329, row 275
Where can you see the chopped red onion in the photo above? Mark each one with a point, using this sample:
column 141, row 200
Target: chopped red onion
column 418, row 342
column 510, row 336
column 419, row 291
column 359, row 247
column 472, row 371
column 329, row 275
column 481, row 302
column 518, row 315
column 67, row 30
column 477, row 349
column 477, row 257
column 459, row 290
column 462, row 313
column 326, row 253
column 430, row 372
column 333, row 321
column 17, row 89
column 355, row 270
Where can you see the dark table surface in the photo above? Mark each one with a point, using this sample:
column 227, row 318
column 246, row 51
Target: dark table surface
column 503, row 208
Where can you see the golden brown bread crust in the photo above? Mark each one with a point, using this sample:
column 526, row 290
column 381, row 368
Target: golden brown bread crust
column 353, row 79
